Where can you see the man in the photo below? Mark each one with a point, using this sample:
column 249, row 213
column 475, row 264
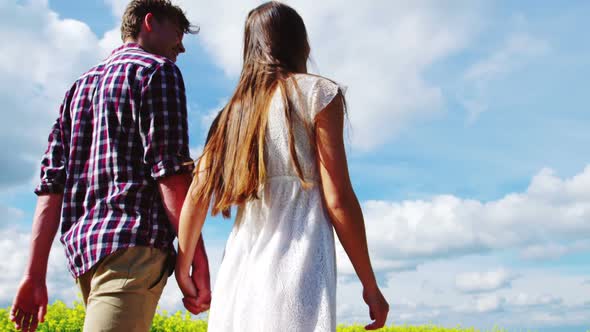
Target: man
column 116, row 173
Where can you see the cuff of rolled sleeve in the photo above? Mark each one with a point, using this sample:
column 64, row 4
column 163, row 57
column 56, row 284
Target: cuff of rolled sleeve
column 172, row 166
column 49, row 188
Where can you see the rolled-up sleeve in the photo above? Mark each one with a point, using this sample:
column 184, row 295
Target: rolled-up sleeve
column 163, row 123
column 53, row 172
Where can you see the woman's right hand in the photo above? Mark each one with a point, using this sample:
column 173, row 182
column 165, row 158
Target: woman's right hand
column 378, row 308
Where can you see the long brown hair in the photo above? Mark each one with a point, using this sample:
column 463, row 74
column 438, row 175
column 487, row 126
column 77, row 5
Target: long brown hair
column 275, row 47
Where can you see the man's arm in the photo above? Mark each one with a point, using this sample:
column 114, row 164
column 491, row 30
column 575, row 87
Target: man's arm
column 173, row 190
column 30, row 303
column 164, row 134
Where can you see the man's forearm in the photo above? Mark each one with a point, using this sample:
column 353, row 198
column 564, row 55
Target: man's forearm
column 45, row 226
column 200, row 253
column 173, row 190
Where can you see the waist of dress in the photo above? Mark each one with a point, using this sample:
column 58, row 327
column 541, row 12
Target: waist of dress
column 290, row 178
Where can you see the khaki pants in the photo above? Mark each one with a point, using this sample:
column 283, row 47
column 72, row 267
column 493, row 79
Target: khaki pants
column 121, row 291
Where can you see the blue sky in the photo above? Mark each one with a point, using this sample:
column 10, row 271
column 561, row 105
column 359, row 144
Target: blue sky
column 468, row 143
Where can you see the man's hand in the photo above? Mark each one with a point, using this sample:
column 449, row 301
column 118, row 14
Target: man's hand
column 187, row 286
column 196, row 286
column 196, row 289
column 202, row 281
column 30, row 304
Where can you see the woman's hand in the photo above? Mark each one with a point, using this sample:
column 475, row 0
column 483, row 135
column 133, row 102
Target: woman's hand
column 378, row 308
column 184, row 280
column 187, row 286
column 201, row 279
column 189, row 291
column 195, row 286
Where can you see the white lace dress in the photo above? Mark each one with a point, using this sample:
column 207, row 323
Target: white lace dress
column 278, row 272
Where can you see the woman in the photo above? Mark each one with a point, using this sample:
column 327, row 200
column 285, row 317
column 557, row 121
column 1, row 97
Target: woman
column 276, row 152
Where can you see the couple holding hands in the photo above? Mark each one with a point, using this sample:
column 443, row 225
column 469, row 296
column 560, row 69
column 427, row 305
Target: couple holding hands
column 118, row 181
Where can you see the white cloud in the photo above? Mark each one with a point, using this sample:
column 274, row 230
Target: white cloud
column 14, row 253
column 552, row 251
column 42, row 57
column 526, row 300
column 408, row 233
column 488, row 303
column 117, row 7
column 512, row 303
column 517, row 51
column 110, row 40
column 474, row 282
column 10, row 216
column 380, row 50
column 512, row 308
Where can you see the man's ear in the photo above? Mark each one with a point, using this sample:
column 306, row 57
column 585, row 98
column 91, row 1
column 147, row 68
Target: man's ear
column 148, row 22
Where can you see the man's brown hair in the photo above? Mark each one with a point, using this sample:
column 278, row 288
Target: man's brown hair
column 161, row 9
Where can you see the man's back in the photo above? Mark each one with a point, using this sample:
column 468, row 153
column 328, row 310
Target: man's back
column 115, row 176
column 122, row 126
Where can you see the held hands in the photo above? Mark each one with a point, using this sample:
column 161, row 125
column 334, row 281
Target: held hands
column 195, row 286
column 30, row 304
column 378, row 308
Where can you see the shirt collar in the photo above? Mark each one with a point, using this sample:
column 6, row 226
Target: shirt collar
column 126, row 46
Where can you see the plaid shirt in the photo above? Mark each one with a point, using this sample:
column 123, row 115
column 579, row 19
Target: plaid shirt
column 122, row 126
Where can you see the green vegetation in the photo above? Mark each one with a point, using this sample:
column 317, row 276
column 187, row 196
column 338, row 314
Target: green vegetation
column 61, row 318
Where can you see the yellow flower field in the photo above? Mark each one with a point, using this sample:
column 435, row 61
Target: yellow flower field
column 65, row 319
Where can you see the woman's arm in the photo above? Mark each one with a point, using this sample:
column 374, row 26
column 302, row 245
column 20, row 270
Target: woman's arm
column 343, row 206
column 192, row 217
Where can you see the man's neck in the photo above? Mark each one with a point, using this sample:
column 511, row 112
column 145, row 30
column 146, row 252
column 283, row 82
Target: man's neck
column 135, row 41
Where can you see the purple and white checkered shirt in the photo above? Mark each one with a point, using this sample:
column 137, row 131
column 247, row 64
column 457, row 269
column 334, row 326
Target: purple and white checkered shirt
column 122, row 126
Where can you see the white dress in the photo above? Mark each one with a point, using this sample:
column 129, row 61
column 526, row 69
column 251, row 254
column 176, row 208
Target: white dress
column 278, row 272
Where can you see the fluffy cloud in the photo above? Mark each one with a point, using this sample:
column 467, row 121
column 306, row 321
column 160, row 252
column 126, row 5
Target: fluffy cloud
column 516, row 304
column 44, row 56
column 517, row 50
column 14, row 245
column 427, row 295
column 474, row 282
column 511, row 55
column 405, row 234
column 488, row 303
column 10, row 216
column 526, row 300
column 553, row 250
column 117, row 6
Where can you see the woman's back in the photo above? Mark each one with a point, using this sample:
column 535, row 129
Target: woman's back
column 309, row 95
column 280, row 254
column 279, row 268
